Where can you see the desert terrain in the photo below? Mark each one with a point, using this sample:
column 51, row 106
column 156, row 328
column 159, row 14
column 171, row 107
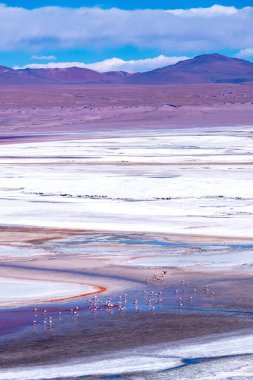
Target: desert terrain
column 28, row 112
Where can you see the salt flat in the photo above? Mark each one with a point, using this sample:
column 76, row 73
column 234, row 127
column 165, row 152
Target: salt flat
column 198, row 182
column 109, row 212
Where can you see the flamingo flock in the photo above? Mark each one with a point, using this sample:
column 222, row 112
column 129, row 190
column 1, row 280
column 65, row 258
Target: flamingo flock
column 155, row 295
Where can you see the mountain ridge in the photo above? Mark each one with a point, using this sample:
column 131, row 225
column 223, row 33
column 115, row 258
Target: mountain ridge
column 204, row 68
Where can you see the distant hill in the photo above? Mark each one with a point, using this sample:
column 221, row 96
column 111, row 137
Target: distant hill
column 206, row 68
column 72, row 75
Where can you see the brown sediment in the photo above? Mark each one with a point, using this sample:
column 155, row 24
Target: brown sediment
column 97, row 290
column 25, row 235
column 13, row 235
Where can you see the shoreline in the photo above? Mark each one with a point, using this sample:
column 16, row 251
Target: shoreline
column 16, row 298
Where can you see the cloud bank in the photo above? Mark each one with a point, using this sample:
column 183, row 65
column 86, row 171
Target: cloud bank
column 193, row 30
column 113, row 64
column 245, row 53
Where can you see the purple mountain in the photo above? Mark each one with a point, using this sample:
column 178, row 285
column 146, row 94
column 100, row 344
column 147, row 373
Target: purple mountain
column 207, row 68
column 72, row 75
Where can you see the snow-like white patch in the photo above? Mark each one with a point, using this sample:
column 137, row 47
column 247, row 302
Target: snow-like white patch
column 210, row 261
column 175, row 181
column 16, row 291
column 12, row 251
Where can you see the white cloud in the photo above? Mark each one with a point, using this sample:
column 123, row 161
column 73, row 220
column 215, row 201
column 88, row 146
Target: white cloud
column 192, row 30
column 245, row 53
column 213, row 11
column 112, row 64
column 43, row 57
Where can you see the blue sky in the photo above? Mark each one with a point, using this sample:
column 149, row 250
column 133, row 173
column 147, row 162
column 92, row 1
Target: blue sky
column 139, row 35
column 128, row 4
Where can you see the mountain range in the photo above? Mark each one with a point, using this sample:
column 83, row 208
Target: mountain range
column 206, row 68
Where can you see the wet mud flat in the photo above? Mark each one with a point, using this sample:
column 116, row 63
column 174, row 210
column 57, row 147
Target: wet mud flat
column 96, row 336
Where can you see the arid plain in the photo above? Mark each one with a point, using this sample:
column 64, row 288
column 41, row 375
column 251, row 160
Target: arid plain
column 126, row 238
column 55, row 109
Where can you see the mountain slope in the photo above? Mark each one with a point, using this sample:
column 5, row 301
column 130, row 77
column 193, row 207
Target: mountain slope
column 207, row 68
column 72, row 75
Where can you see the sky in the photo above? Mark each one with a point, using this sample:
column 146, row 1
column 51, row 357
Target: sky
column 122, row 35
column 127, row 4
